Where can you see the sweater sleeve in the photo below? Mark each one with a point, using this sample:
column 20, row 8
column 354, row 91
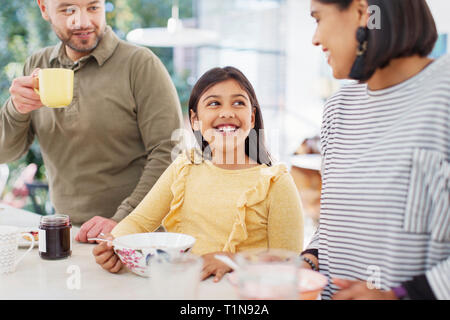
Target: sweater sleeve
column 16, row 133
column 285, row 222
column 150, row 212
column 158, row 117
column 439, row 280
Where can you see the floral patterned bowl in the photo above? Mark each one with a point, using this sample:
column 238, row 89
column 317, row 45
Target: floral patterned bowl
column 136, row 250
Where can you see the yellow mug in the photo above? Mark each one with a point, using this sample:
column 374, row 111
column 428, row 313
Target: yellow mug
column 55, row 87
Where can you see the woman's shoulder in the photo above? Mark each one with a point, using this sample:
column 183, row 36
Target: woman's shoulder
column 349, row 93
column 441, row 66
column 437, row 78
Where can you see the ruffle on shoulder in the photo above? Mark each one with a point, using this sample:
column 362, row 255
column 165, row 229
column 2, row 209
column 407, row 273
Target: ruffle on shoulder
column 252, row 197
column 182, row 167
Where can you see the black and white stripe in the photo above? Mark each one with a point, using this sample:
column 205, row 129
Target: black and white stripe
column 386, row 182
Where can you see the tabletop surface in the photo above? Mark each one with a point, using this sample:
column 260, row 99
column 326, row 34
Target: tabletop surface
column 79, row 277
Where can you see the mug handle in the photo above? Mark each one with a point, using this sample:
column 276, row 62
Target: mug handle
column 36, row 90
column 29, row 249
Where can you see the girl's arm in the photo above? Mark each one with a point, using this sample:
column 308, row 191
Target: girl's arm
column 285, row 222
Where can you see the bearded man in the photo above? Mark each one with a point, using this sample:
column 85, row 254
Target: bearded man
column 103, row 152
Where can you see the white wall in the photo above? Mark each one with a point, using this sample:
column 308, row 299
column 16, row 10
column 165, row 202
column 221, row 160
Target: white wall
column 307, row 75
column 440, row 10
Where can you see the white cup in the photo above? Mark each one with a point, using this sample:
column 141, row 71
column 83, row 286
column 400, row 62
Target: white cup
column 176, row 278
column 9, row 242
column 267, row 274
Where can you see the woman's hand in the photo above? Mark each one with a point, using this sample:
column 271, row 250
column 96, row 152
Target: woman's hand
column 212, row 266
column 105, row 256
column 311, row 257
column 358, row 290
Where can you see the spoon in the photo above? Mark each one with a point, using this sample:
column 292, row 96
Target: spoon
column 228, row 261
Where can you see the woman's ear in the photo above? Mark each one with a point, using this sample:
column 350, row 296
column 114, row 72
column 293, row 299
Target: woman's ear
column 363, row 10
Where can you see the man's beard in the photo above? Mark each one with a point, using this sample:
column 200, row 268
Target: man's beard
column 83, row 49
column 77, row 47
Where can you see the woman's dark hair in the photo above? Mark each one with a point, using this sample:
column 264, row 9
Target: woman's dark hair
column 407, row 29
column 255, row 147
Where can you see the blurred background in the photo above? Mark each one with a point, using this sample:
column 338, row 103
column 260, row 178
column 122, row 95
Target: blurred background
column 269, row 40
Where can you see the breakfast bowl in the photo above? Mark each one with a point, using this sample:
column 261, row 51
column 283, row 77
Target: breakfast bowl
column 310, row 283
column 267, row 274
column 137, row 250
column 273, row 274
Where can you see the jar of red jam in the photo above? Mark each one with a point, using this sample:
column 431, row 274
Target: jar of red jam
column 55, row 237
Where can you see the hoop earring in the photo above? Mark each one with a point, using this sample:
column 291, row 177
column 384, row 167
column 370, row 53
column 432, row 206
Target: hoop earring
column 358, row 66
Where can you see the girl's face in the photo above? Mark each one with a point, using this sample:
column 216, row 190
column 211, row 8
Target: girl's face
column 336, row 33
column 224, row 116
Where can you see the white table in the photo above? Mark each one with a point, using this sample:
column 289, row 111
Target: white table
column 36, row 278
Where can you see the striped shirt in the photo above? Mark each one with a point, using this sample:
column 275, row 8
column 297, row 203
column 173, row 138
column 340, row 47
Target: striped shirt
column 386, row 178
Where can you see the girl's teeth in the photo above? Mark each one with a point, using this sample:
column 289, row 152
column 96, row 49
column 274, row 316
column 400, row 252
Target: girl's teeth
column 227, row 129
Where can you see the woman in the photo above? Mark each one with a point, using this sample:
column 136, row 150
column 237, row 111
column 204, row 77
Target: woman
column 384, row 224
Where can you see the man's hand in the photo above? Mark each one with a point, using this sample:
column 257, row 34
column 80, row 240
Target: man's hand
column 358, row 290
column 93, row 227
column 23, row 96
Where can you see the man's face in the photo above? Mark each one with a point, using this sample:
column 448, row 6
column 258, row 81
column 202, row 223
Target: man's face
column 79, row 24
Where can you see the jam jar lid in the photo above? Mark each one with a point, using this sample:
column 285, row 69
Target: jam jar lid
column 56, row 220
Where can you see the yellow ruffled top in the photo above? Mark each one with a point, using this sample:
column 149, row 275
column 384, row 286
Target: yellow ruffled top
column 225, row 210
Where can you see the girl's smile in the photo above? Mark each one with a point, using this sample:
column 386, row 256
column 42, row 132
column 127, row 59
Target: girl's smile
column 227, row 129
column 226, row 120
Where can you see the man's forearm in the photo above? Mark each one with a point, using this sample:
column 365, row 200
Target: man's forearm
column 15, row 133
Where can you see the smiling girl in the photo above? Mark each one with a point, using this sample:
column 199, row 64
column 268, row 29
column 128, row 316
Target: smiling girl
column 228, row 194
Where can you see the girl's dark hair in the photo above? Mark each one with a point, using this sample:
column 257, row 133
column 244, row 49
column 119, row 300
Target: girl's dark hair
column 255, row 146
column 407, row 29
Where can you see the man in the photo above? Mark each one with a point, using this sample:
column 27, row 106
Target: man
column 103, row 152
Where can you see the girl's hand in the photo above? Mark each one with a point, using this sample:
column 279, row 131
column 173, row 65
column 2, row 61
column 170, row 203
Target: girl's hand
column 212, row 266
column 105, row 256
column 358, row 290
